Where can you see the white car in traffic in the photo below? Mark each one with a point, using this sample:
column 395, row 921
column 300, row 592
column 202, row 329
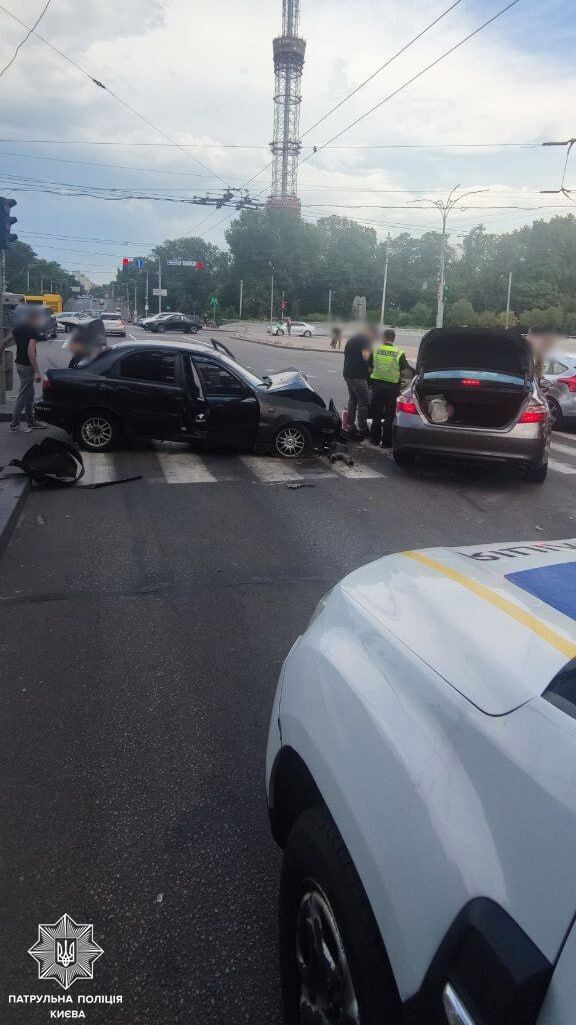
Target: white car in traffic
column 420, row 775
column 299, row 327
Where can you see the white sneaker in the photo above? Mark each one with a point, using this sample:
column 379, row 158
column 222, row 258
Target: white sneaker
column 36, row 425
column 14, row 428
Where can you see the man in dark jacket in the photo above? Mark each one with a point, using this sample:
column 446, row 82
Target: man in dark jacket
column 357, row 366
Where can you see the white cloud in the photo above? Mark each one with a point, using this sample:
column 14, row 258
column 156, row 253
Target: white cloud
column 203, row 73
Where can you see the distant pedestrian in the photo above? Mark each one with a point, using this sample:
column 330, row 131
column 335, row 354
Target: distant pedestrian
column 25, row 335
column 289, row 325
column 388, row 363
column 357, row 367
column 336, row 339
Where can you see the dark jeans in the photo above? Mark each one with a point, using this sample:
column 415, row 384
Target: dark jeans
column 384, row 397
column 358, row 403
column 25, row 399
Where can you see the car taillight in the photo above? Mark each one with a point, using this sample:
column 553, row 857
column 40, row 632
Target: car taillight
column 121, row 323
column 471, row 382
column 46, row 384
column 570, row 383
column 533, row 415
column 406, row 406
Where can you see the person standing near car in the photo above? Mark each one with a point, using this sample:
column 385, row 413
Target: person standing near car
column 356, row 372
column 388, row 362
column 25, row 335
column 289, row 325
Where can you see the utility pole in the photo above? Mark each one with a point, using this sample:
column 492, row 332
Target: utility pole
column 146, row 306
column 41, row 284
column 135, row 302
column 385, row 282
column 445, row 207
column 508, row 300
column 28, row 280
column 240, row 303
column 271, row 297
column 160, row 286
column 329, row 304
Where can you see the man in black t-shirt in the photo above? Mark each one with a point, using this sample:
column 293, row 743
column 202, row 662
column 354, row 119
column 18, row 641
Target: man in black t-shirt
column 357, row 366
column 25, row 335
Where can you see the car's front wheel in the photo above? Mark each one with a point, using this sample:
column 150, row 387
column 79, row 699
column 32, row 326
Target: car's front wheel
column 333, row 964
column 97, row 431
column 292, row 441
column 307, row 334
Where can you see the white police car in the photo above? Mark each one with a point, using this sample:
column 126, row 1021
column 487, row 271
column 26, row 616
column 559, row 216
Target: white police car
column 421, row 775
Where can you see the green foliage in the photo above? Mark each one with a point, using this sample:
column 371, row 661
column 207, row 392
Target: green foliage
column 307, row 260
column 21, row 259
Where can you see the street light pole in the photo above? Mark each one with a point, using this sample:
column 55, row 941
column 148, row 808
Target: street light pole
column 28, row 280
column 445, row 207
column 508, row 300
column 135, row 303
column 159, row 286
column 385, row 282
column 271, row 298
column 241, row 297
column 329, row 304
column 146, row 306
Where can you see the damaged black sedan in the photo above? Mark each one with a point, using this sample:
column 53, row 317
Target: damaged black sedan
column 191, row 392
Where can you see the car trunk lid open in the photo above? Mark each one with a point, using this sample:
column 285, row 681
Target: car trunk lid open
column 473, row 378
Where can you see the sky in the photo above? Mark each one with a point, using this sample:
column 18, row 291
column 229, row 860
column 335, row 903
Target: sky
column 202, row 75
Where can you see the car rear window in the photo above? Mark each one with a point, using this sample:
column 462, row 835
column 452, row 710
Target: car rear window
column 562, row 691
column 111, row 316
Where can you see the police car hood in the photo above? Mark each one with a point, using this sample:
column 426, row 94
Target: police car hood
column 496, row 621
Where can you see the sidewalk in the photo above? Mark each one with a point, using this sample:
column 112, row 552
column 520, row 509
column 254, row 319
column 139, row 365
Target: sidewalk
column 13, row 490
column 317, row 344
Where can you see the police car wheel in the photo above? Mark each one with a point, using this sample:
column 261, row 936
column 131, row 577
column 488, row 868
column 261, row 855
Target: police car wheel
column 292, row 441
column 333, row 963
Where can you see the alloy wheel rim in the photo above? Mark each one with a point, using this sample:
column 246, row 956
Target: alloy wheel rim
column 290, row 442
column 553, row 412
column 327, row 994
column 97, row 431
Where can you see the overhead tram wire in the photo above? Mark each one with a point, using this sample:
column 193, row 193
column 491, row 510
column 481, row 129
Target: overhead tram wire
column 114, row 95
column 25, row 39
column 414, row 78
column 230, row 145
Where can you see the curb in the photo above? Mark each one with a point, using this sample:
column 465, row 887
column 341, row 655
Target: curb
column 13, row 495
column 278, row 345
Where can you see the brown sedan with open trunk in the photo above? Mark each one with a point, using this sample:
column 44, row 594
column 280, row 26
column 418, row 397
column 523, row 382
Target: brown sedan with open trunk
column 474, row 398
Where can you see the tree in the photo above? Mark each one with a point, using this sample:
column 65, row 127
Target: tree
column 461, row 314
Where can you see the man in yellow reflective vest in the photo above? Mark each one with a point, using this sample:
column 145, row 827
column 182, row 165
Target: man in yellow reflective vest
column 388, row 362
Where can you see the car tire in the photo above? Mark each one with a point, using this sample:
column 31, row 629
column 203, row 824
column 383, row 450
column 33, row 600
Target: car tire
column 537, row 474
column 160, row 329
column 97, row 431
column 403, row 458
column 322, row 899
column 307, row 334
column 292, row 441
column 556, row 416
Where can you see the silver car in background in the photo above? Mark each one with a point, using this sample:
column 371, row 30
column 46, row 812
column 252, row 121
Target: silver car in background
column 475, row 399
column 560, row 376
column 114, row 324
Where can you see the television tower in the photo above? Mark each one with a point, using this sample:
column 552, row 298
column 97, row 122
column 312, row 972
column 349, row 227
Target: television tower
column 289, row 51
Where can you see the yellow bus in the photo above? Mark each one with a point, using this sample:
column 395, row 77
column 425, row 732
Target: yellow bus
column 48, row 299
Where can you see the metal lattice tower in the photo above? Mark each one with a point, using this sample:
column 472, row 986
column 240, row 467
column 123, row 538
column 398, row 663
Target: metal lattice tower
column 289, row 52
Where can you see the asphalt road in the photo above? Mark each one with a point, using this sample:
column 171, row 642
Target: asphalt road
column 143, row 628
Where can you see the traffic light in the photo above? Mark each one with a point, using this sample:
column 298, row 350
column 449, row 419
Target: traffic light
column 6, row 222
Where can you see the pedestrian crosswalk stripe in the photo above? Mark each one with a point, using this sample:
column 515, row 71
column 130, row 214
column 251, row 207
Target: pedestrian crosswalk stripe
column 563, row 434
column 568, row 450
column 270, row 471
column 357, row 472
column 98, row 467
column 561, row 467
column 184, row 468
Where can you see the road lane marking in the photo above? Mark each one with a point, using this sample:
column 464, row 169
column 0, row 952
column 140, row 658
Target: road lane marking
column 527, row 619
column 184, row 468
column 99, row 467
column 569, row 450
column 564, row 434
column 271, row 471
column 356, row 472
column 561, row 467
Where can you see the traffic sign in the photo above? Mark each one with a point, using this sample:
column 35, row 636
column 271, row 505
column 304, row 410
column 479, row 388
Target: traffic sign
column 138, row 262
column 173, row 263
column 75, row 288
column 159, row 291
column 214, row 301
